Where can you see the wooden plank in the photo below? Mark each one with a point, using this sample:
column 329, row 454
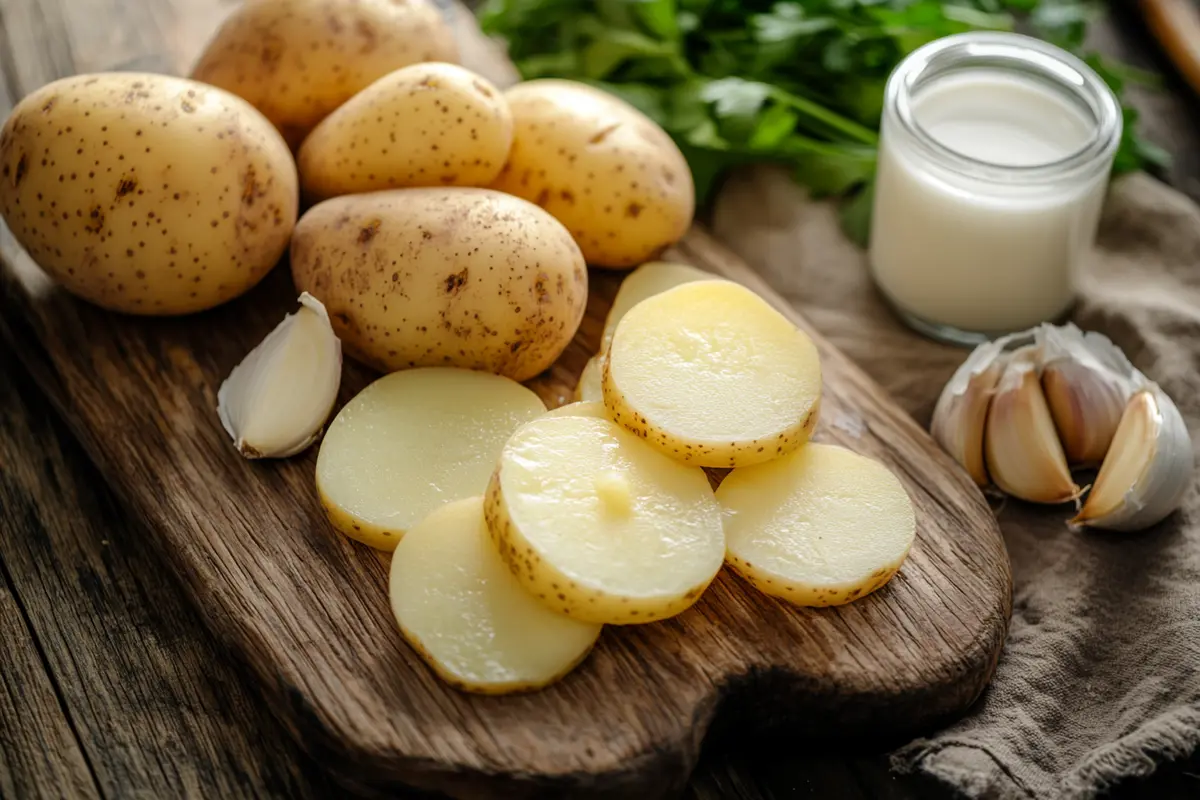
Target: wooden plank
column 39, row 755
column 158, row 708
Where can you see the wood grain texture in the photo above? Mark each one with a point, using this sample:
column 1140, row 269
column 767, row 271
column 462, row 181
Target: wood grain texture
column 39, row 755
column 134, row 707
column 307, row 609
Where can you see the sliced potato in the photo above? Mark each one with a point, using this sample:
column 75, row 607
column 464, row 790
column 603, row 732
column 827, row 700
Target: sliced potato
column 412, row 441
column 819, row 527
column 588, row 388
column 583, row 408
column 712, row 375
column 646, row 281
column 601, row 527
column 457, row 603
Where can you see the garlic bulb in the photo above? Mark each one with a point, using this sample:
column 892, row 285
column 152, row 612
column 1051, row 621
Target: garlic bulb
column 275, row 403
column 1148, row 468
column 1024, row 409
column 1087, row 382
column 1024, row 456
column 958, row 418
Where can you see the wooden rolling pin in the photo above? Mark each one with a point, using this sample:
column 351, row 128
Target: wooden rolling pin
column 1176, row 25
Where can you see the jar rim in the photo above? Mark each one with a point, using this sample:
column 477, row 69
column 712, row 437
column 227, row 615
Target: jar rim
column 1015, row 53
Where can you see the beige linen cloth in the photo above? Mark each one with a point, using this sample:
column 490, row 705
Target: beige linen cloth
column 1100, row 677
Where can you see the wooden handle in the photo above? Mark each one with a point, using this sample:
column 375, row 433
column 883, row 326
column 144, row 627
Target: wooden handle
column 1176, row 25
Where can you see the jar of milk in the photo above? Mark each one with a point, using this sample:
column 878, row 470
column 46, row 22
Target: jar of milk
column 994, row 158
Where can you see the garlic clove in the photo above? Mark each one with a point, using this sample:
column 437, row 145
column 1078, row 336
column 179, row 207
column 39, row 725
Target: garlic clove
column 1023, row 454
column 1087, row 381
column 275, row 403
column 962, row 408
column 1148, row 468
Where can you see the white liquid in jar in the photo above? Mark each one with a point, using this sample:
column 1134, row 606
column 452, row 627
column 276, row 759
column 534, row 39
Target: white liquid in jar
column 979, row 255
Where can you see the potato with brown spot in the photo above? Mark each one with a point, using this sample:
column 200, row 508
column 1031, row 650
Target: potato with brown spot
column 608, row 172
column 424, row 125
column 443, row 277
column 298, row 60
column 136, row 204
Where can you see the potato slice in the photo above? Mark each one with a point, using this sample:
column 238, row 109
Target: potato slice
column 646, row 281
column 712, row 375
column 582, row 408
column 819, row 527
column 464, row 612
column 588, row 388
column 600, row 526
column 412, row 441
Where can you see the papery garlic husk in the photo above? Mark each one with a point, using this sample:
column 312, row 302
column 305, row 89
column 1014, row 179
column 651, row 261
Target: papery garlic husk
column 1087, row 381
column 1148, row 469
column 275, row 403
column 961, row 411
column 1024, row 456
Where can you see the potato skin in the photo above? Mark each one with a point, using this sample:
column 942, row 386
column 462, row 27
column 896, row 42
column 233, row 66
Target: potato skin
column 424, row 125
column 147, row 194
column 298, row 60
column 443, row 277
column 601, row 167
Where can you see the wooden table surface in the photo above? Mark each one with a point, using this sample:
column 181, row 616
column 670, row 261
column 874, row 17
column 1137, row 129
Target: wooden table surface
column 109, row 684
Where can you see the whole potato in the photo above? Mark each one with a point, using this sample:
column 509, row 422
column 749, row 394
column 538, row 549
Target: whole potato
column 147, row 194
column 600, row 166
column 298, row 60
column 424, row 125
column 450, row 276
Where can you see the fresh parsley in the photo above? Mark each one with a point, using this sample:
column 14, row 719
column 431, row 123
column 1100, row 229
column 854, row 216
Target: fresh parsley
column 798, row 82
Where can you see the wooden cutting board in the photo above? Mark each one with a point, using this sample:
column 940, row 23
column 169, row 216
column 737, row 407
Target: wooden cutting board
column 307, row 609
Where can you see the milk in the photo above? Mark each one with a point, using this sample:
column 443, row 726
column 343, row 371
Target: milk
column 971, row 228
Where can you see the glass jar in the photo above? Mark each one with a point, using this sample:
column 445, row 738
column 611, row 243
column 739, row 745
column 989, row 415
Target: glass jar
column 994, row 159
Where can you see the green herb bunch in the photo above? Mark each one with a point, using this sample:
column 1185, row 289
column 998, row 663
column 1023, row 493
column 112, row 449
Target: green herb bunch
column 798, row 82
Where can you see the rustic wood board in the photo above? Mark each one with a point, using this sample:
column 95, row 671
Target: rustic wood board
column 307, row 610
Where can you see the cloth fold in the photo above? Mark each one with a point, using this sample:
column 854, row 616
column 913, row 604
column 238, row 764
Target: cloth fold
column 1100, row 677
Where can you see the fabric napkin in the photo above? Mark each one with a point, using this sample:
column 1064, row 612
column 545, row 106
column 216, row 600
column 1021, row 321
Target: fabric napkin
column 1100, row 677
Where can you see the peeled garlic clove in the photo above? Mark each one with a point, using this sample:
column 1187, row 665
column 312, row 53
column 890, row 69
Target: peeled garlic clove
column 1024, row 456
column 962, row 408
column 276, row 401
column 1148, row 468
column 1087, row 381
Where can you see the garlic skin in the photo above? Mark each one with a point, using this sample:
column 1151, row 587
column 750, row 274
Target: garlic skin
column 1021, row 447
column 276, row 401
column 962, row 409
column 1087, row 381
column 1148, row 469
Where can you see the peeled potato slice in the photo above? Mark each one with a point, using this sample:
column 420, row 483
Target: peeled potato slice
column 580, row 409
column 600, row 526
column 819, row 527
column 457, row 603
column 646, row 281
column 412, row 441
column 588, row 388
column 712, row 375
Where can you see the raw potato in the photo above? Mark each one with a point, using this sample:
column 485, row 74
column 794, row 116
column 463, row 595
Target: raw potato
column 298, row 60
column 601, row 527
column 469, row 618
column 713, row 376
column 424, row 125
column 609, row 173
column 456, row 277
column 413, row 441
column 646, row 281
column 820, row 527
column 580, row 409
column 146, row 194
column 588, row 387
